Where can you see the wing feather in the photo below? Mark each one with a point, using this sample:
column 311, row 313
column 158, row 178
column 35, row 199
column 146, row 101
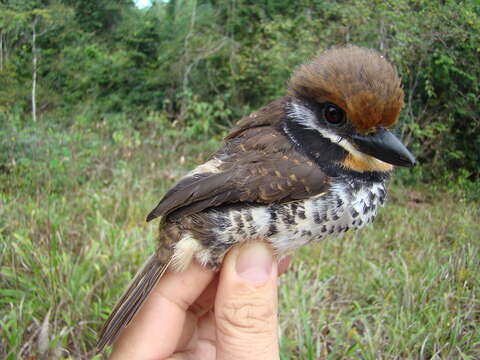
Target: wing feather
column 131, row 301
column 257, row 164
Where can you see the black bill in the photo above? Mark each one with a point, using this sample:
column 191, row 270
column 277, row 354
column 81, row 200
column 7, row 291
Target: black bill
column 384, row 146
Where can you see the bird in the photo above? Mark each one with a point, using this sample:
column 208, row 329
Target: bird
column 310, row 164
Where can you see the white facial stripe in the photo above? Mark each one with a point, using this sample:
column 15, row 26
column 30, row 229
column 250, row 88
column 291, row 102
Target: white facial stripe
column 305, row 117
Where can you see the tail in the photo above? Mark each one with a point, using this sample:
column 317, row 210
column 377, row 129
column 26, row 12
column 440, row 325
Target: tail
column 143, row 282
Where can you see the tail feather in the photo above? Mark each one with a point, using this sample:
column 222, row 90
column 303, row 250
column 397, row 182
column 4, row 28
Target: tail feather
column 131, row 301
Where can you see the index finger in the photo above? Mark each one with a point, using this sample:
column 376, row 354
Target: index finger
column 157, row 327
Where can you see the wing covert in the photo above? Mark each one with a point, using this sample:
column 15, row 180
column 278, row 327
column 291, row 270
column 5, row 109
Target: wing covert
column 257, row 164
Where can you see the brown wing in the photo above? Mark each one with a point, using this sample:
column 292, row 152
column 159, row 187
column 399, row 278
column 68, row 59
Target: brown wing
column 132, row 300
column 257, row 164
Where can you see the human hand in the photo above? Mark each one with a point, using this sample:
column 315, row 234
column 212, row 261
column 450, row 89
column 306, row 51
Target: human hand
column 199, row 315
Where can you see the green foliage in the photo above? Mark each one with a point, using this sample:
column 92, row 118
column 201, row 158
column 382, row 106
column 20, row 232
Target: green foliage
column 99, row 16
column 383, row 292
column 205, row 63
column 130, row 99
column 8, row 88
column 73, row 201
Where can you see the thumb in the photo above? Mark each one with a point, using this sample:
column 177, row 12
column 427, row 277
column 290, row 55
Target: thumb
column 246, row 304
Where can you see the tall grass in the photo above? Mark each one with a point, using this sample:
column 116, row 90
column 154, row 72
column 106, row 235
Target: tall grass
column 72, row 232
column 405, row 288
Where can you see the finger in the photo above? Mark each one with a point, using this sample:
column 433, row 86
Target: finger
column 201, row 306
column 202, row 345
column 207, row 331
column 158, row 326
column 205, row 301
column 246, row 304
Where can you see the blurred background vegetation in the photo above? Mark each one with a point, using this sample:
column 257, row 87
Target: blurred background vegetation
column 103, row 105
column 203, row 64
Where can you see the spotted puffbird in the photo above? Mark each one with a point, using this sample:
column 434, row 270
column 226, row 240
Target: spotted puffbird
column 310, row 164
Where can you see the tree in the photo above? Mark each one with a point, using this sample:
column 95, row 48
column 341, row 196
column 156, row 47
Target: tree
column 30, row 23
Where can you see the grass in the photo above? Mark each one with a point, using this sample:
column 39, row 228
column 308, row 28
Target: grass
column 72, row 206
column 405, row 288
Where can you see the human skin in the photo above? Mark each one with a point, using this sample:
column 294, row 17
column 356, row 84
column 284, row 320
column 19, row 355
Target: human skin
column 199, row 314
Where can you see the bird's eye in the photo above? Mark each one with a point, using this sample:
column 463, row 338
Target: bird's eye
column 333, row 114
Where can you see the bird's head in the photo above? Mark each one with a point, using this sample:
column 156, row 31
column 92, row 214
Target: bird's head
column 342, row 104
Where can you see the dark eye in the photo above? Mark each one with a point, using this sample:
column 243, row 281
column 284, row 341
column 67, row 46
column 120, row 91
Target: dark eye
column 333, row 114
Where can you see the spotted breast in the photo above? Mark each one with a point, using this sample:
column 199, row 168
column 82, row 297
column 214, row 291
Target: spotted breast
column 348, row 204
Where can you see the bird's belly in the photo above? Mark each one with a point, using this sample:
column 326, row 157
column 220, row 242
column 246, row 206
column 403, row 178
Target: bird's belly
column 290, row 225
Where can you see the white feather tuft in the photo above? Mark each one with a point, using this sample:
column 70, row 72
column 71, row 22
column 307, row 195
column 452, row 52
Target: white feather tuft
column 184, row 252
